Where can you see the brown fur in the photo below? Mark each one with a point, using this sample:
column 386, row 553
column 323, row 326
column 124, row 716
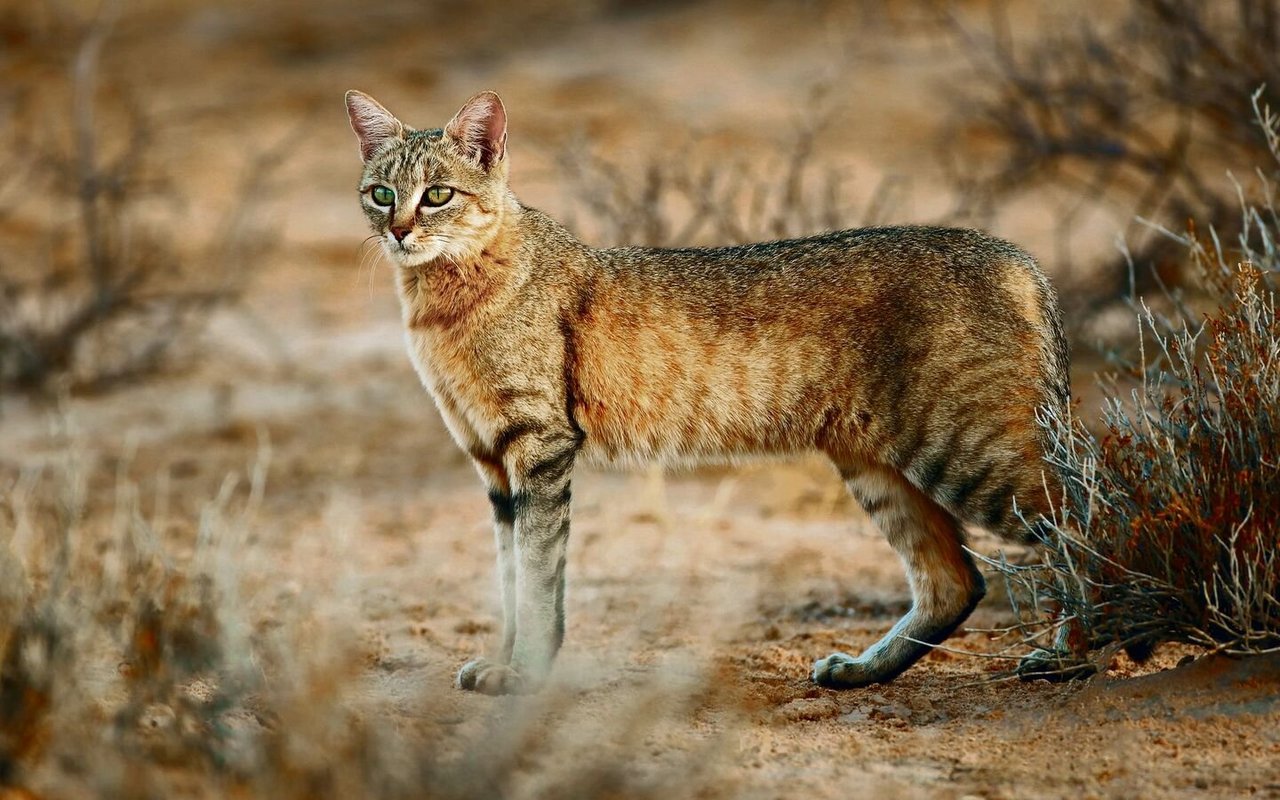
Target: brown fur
column 914, row 357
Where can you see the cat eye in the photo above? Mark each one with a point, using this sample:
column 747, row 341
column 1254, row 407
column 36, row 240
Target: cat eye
column 437, row 196
column 382, row 195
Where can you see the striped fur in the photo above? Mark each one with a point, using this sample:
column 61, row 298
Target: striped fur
column 914, row 357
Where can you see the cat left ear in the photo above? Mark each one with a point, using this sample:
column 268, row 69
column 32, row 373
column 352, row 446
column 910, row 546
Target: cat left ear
column 373, row 124
column 480, row 129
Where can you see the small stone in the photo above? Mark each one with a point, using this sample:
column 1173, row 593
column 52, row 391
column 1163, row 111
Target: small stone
column 891, row 711
column 808, row 709
column 158, row 716
column 201, row 692
column 920, row 703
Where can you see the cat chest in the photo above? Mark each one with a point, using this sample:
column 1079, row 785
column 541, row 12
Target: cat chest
column 481, row 388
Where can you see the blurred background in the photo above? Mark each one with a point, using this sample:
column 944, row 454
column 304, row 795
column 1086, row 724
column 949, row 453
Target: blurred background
column 191, row 328
column 177, row 171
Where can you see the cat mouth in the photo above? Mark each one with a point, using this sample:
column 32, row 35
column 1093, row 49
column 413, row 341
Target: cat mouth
column 411, row 255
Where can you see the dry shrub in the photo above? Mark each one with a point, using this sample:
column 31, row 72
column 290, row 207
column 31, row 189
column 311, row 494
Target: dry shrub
column 1133, row 107
column 703, row 198
column 114, row 282
column 1169, row 527
column 141, row 657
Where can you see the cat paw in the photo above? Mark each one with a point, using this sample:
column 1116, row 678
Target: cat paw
column 1054, row 665
column 490, row 677
column 842, row 671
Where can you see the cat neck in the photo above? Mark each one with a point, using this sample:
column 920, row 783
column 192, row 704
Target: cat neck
column 447, row 291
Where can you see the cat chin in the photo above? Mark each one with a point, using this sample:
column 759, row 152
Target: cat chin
column 409, row 259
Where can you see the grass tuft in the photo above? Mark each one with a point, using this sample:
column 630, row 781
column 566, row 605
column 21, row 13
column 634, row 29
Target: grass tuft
column 1167, row 528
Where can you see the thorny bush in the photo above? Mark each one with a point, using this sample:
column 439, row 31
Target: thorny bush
column 1169, row 524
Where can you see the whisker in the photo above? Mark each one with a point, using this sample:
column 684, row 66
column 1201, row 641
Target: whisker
column 370, row 260
column 464, row 271
column 365, row 251
column 373, row 267
column 458, row 268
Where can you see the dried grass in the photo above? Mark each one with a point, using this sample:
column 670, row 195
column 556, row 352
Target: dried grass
column 1133, row 109
column 138, row 662
column 1168, row 526
column 118, row 283
column 701, row 199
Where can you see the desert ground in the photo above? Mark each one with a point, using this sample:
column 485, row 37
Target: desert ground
column 697, row 600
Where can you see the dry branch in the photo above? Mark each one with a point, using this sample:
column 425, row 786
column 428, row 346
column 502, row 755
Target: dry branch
column 1167, row 529
column 1136, row 111
column 699, row 200
column 112, row 305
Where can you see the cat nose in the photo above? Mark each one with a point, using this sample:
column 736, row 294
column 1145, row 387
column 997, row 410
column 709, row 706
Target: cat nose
column 400, row 231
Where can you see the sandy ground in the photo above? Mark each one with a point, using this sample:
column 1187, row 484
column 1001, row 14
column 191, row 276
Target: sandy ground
column 744, row 575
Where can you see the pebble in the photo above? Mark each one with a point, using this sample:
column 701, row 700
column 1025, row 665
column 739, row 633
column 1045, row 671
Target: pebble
column 157, row 716
column 804, row 709
column 920, row 703
column 891, row 711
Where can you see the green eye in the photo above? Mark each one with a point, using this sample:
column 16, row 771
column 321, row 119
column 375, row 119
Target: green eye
column 382, row 195
column 437, row 196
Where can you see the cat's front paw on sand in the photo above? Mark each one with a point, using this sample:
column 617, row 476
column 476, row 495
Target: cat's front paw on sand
column 843, row 671
column 490, row 677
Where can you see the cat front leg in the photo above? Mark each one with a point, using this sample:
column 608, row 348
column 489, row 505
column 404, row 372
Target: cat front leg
column 504, row 521
column 492, row 675
column 539, row 460
column 541, row 476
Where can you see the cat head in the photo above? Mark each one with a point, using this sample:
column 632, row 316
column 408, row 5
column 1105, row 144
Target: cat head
column 436, row 193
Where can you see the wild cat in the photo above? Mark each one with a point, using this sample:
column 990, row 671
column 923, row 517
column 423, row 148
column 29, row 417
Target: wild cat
column 915, row 358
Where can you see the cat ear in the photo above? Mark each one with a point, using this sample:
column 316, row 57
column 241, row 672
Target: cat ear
column 480, row 129
column 373, row 124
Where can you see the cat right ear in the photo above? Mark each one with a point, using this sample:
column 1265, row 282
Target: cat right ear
column 373, row 124
column 480, row 129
